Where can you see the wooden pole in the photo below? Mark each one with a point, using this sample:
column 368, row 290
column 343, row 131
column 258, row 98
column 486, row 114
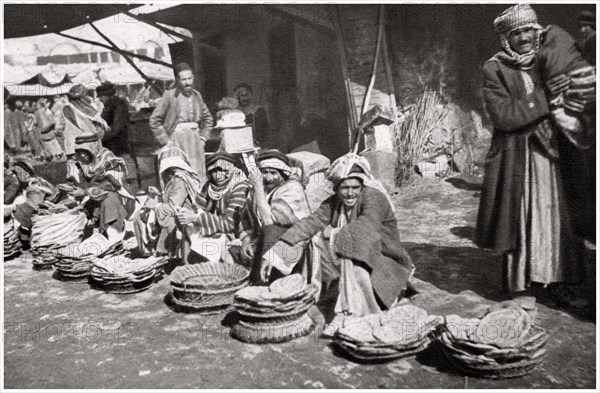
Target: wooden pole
column 129, row 60
column 373, row 75
column 375, row 61
column 118, row 50
column 353, row 119
column 388, row 72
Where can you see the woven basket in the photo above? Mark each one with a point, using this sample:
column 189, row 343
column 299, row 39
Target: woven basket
column 273, row 333
column 123, row 288
column 208, row 275
column 488, row 361
column 272, row 317
column 208, row 298
column 71, row 277
column 363, row 356
column 502, row 371
column 380, row 347
column 258, row 305
column 12, row 254
column 195, row 308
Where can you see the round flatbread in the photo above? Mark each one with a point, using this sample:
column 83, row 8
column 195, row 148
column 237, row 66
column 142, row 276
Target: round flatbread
column 461, row 328
column 395, row 333
column 251, row 293
column 360, row 331
column 403, row 314
column 504, row 328
column 288, row 285
column 374, row 320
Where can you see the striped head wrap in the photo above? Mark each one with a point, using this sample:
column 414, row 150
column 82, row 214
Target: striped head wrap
column 221, row 160
column 587, row 18
column 349, row 165
column 354, row 166
column 275, row 159
column 517, row 17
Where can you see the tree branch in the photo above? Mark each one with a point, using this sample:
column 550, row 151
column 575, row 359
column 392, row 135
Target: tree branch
column 128, row 59
column 118, row 50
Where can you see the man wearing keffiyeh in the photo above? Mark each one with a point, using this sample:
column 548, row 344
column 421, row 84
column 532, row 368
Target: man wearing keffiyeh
column 570, row 84
column 181, row 188
column 220, row 202
column 276, row 202
column 99, row 174
column 520, row 214
column 375, row 270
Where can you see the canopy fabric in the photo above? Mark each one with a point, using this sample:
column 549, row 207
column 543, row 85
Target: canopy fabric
column 40, row 79
column 38, row 90
column 24, row 20
column 18, row 78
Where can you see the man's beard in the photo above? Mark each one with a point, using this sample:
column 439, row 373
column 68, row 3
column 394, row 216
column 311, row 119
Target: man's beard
column 270, row 186
column 186, row 89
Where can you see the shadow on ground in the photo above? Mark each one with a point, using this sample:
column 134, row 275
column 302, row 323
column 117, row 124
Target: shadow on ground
column 463, row 232
column 457, row 269
column 469, row 184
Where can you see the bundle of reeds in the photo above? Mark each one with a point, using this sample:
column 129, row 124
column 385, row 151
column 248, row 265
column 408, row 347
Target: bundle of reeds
column 413, row 132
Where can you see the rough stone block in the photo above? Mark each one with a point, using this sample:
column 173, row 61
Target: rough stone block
column 383, row 167
column 380, row 139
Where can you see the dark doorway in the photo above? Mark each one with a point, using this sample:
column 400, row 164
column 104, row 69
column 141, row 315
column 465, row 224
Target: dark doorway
column 214, row 83
column 286, row 106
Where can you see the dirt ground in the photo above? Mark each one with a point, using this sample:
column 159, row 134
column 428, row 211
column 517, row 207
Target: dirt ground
column 67, row 335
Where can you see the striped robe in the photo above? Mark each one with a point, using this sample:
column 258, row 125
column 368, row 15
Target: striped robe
column 222, row 216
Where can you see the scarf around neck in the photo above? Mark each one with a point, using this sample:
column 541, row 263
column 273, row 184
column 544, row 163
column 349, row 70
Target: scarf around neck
column 236, row 176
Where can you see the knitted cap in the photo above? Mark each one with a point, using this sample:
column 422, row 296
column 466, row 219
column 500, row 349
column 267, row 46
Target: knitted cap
column 515, row 17
column 182, row 67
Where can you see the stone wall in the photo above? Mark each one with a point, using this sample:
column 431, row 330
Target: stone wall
column 442, row 48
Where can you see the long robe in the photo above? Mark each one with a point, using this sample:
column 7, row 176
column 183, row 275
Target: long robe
column 514, row 115
column 170, row 238
column 521, row 213
column 173, row 109
column 370, row 238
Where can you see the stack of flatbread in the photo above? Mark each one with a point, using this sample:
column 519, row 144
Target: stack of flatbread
column 120, row 274
column 52, row 231
column 274, row 313
column 399, row 332
column 74, row 261
column 206, row 287
column 12, row 244
column 130, row 244
column 505, row 343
